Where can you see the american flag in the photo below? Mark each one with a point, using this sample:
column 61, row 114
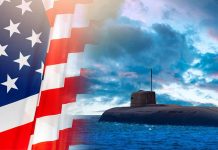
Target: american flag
column 37, row 39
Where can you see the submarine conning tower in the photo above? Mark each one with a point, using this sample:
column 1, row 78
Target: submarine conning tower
column 142, row 98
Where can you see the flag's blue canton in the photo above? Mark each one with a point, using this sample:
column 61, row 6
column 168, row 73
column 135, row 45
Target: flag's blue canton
column 24, row 31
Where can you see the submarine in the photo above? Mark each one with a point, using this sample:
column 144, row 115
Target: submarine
column 145, row 110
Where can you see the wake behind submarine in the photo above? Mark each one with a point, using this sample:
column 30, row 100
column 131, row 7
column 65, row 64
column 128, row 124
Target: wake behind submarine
column 145, row 110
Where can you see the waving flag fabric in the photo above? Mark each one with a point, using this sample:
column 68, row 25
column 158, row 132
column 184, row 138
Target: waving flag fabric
column 37, row 39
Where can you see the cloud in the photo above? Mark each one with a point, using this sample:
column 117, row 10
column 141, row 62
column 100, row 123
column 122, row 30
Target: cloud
column 95, row 105
column 195, row 94
column 150, row 47
column 102, row 10
column 128, row 74
column 178, row 39
column 167, row 99
column 126, row 48
column 213, row 34
column 169, row 13
column 125, row 52
column 192, row 74
column 209, row 63
column 88, row 105
column 199, row 15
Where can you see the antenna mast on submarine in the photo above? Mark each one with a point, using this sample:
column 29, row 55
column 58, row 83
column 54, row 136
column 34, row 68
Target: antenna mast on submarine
column 151, row 80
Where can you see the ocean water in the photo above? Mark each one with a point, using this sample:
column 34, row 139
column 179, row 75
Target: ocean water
column 116, row 136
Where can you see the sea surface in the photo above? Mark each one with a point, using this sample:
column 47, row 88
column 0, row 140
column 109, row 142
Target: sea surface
column 116, row 136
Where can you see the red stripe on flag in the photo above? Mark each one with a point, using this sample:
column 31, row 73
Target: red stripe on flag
column 67, row 137
column 77, row 129
column 63, row 7
column 51, row 101
column 16, row 138
column 61, row 144
column 59, row 49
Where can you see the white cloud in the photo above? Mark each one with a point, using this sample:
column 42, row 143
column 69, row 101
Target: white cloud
column 150, row 12
column 86, row 105
column 206, row 45
column 191, row 74
column 185, row 16
column 89, row 105
column 195, row 62
column 190, row 93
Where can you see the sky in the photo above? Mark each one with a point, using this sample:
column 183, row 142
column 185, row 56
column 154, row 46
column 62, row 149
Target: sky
column 178, row 39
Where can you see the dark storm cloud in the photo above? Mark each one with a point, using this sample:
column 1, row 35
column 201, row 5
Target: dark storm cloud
column 209, row 63
column 126, row 49
column 160, row 47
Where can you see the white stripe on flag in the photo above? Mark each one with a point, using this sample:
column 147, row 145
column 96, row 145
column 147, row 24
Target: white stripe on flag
column 80, row 17
column 62, row 26
column 55, row 74
column 65, row 22
column 47, row 128
column 66, row 115
column 48, row 4
column 74, row 64
column 18, row 113
column 54, row 77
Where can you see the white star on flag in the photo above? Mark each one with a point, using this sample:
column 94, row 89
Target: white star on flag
column 22, row 61
column 41, row 69
column 10, row 83
column 2, row 1
column 34, row 38
column 13, row 28
column 25, row 6
column 2, row 50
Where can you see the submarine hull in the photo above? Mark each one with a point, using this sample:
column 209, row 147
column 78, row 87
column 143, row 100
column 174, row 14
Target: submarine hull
column 163, row 115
